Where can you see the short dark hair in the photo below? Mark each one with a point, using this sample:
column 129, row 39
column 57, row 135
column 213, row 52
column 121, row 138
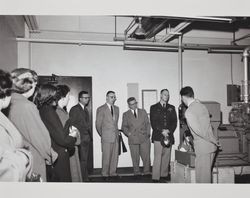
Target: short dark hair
column 130, row 99
column 81, row 93
column 5, row 84
column 46, row 95
column 187, row 91
column 109, row 92
column 164, row 90
column 62, row 91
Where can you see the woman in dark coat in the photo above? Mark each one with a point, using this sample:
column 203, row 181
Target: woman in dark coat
column 62, row 141
column 63, row 92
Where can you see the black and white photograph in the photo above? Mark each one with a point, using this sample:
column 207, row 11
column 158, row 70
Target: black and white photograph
column 105, row 100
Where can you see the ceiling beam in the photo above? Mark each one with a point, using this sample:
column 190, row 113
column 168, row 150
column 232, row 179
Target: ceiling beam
column 175, row 31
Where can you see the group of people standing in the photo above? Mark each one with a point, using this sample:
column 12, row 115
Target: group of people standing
column 136, row 125
column 39, row 137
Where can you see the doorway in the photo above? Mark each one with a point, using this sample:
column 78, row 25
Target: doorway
column 76, row 84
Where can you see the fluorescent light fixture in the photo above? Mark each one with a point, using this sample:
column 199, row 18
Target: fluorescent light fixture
column 150, row 48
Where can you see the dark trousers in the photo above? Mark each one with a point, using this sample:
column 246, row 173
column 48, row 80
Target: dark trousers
column 83, row 155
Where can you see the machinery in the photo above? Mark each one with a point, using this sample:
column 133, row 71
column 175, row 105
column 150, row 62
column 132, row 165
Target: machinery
column 234, row 137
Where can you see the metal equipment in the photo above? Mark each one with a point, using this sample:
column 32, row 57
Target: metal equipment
column 234, row 137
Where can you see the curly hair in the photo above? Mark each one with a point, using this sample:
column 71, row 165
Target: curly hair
column 5, row 84
column 46, row 95
column 23, row 79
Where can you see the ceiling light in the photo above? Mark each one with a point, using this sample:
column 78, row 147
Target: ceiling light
column 140, row 32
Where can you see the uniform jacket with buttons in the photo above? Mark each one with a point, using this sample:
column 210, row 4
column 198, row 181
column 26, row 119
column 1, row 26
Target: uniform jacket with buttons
column 136, row 128
column 163, row 118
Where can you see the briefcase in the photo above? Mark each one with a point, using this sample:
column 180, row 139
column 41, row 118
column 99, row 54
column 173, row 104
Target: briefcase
column 185, row 158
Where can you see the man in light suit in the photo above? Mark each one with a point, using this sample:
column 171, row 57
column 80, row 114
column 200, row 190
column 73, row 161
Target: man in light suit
column 107, row 117
column 205, row 143
column 80, row 118
column 136, row 126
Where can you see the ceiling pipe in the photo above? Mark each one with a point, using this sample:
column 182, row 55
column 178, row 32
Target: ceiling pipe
column 245, row 81
column 71, row 42
column 187, row 46
column 180, row 64
column 205, row 19
column 225, row 51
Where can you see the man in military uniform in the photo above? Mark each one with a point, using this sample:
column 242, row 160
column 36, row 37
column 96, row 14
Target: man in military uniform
column 163, row 120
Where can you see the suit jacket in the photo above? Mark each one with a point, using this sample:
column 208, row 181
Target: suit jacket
column 163, row 118
column 16, row 162
column 79, row 118
column 136, row 129
column 106, row 126
column 25, row 116
column 199, row 124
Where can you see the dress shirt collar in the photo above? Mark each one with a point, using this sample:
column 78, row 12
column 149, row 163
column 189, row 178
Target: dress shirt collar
column 161, row 103
column 136, row 111
column 190, row 102
column 83, row 107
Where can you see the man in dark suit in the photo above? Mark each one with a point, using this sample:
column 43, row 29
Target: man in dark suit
column 163, row 121
column 205, row 142
column 79, row 117
column 136, row 126
column 107, row 117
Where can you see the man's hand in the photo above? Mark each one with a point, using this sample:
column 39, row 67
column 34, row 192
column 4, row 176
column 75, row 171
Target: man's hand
column 165, row 132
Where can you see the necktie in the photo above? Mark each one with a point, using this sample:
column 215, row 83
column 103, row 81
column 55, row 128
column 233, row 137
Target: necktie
column 112, row 111
column 135, row 113
column 164, row 105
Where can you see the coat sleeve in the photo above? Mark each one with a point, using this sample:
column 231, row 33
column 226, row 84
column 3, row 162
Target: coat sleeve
column 35, row 132
column 98, row 123
column 125, row 126
column 56, row 129
column 193, row 123
column 173, row 121
column 147, row 123
column 77, row 122
column 118, row 110
column 13, row 165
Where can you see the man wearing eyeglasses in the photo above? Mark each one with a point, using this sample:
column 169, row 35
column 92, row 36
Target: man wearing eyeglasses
column 136, row 126
column 107, row 117
column 79, row 118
